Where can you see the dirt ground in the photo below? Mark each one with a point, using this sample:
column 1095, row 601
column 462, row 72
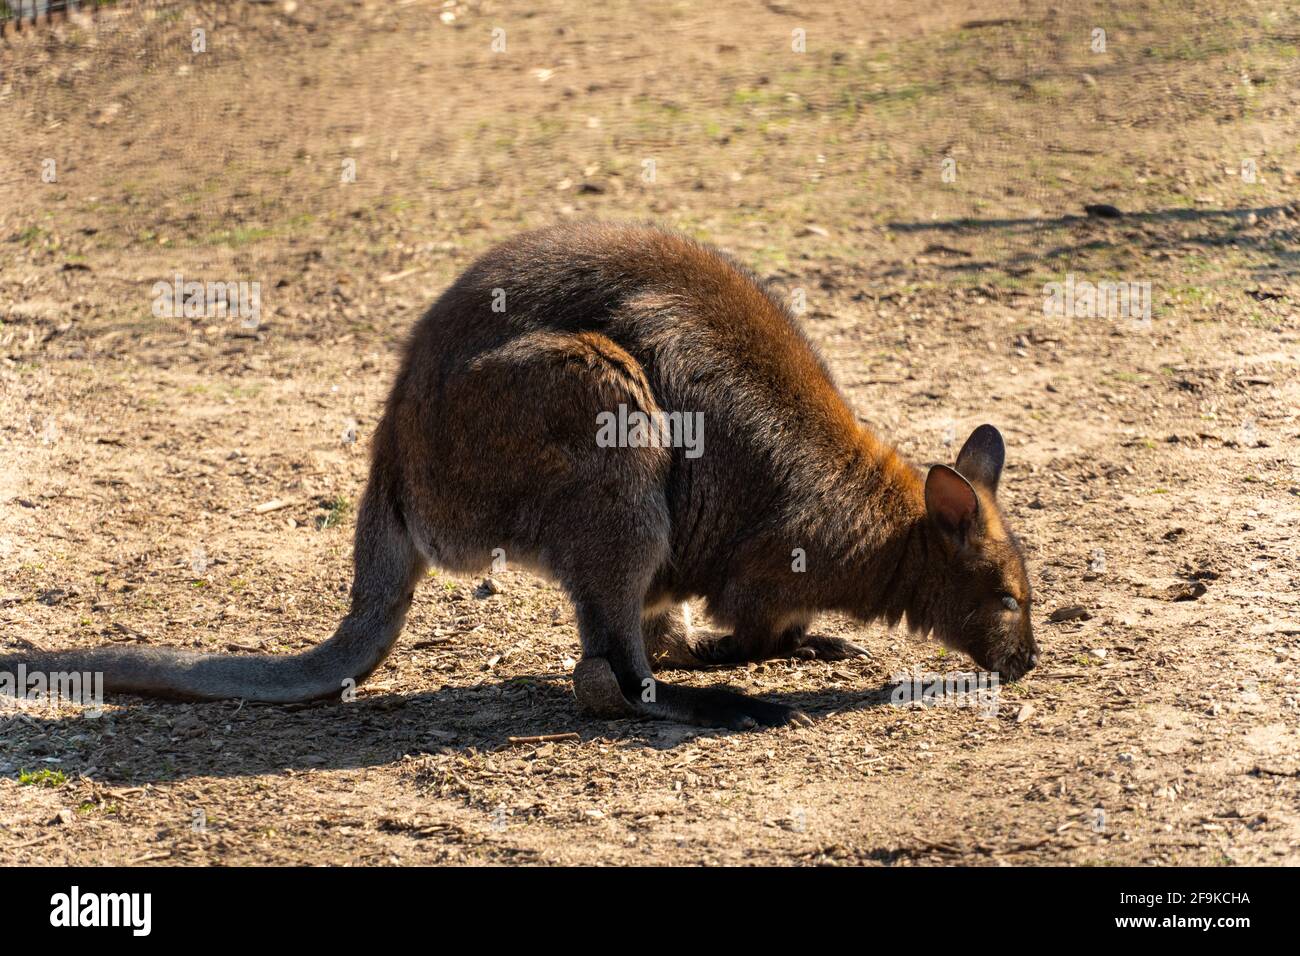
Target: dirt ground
column 919, row 172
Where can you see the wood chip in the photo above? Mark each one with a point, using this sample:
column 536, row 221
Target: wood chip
column 397, row 276
column 1071, row 612
column 149, row 857
column 39, row 839
column 1186, row 592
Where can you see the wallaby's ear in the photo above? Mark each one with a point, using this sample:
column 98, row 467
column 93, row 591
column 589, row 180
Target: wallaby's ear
column 951, row 503
column 981, row 458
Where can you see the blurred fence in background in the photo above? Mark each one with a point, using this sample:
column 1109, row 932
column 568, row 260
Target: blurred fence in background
column 18, row 15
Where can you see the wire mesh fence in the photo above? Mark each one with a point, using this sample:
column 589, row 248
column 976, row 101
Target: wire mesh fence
column 925, row 178
column 17, row 13
column 204, row 131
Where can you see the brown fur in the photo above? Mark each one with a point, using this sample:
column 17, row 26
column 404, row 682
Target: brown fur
column 488, row 441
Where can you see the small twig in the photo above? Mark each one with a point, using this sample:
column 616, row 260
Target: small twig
column 542, row 739
column 940, row 847
column 148, row 857
column 1022, row 847
column 39, row 839
column 396, row 276
column 1065, row 675
column 432, row 642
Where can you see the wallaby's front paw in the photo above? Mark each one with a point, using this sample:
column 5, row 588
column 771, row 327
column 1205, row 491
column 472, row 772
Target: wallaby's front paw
column 829, row 649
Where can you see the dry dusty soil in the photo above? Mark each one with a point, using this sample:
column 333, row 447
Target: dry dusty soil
column 918, row 172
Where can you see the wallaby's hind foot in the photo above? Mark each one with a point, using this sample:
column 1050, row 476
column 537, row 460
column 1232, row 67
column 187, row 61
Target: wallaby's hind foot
column 722, row 707
column 597, row 691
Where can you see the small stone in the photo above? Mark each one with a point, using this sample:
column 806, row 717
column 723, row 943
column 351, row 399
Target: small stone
column 1186, row 592
column 52, row 596
column 489, row 587
column 1026, row 711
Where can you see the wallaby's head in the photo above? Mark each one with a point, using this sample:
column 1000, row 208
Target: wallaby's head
column 979, row 598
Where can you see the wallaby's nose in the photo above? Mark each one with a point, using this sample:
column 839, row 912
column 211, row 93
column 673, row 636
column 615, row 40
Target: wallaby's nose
column 1033, row 660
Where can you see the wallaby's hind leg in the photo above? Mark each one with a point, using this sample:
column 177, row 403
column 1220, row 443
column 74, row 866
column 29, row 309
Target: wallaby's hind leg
column 614, row 664
column 608, row 586
column 614, row 650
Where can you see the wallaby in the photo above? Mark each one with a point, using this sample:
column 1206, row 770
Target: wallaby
column 787, row 507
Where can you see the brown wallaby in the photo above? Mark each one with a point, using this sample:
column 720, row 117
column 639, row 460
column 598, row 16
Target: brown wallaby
column 780, row 507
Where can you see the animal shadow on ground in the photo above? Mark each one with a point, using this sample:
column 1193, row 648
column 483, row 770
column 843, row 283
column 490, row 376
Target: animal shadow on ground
column 136, row 741
column 1163, row 229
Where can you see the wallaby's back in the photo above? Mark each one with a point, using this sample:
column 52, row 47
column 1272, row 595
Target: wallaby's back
column 657, row 321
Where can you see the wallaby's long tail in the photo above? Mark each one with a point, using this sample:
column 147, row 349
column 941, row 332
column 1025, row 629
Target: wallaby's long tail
column 387, row 567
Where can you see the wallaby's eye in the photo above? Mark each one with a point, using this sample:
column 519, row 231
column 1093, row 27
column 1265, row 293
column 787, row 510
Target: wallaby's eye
column 1010, row 603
